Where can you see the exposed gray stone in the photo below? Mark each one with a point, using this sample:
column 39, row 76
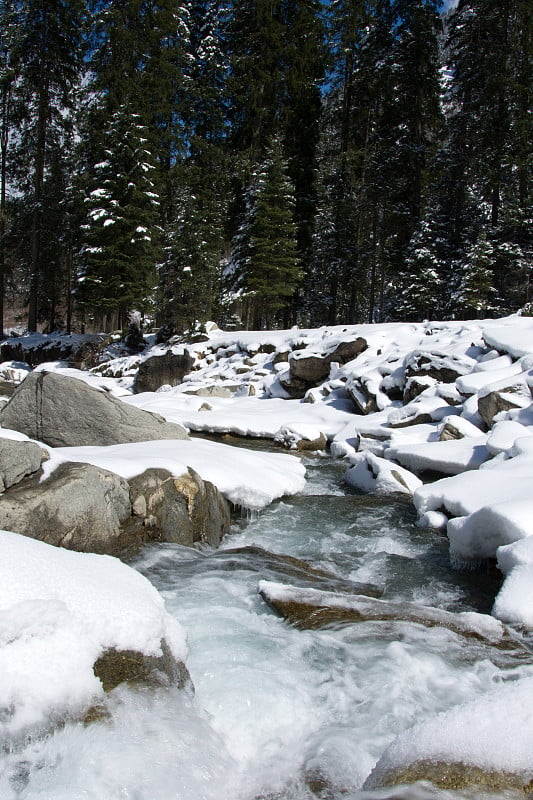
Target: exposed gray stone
column 18, row 460
column 65, row 412
column 492, row 403
column 79, row 507
column 184, row 509
column 169, row 368
column 347, row 351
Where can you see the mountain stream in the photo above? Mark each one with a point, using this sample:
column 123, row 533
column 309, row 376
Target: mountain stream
column 281, row 713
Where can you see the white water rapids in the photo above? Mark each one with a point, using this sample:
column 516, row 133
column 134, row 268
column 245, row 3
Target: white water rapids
column 278, row 713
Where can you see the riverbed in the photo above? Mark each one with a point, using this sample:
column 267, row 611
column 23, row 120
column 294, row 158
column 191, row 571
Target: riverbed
column 280, row 713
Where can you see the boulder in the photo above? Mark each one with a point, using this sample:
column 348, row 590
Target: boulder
column 308, row 369
column 347, row 351
column 184, row 509
column 65, row 412
column 79, row 507
column 364, row 400
column 492, row 403
column 169, row 368
column 18, row 460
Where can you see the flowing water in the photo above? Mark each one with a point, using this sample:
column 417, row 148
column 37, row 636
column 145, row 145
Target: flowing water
column 279, row 713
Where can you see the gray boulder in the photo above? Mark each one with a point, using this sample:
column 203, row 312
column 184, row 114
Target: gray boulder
column 167, row 369
column 184, row 509
column 18, row 460
column 492, row 403
column 65, row 412
column 79, row 507
column 309, row 369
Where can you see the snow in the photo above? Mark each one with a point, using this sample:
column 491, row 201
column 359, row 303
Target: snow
column 448, row 458
column 59, row 611
column 248, row 479
column 493, row 732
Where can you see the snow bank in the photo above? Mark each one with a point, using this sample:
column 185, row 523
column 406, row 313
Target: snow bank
column 59, row 611
column 246, row 478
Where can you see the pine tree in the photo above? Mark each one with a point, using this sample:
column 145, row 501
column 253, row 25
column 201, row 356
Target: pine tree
column 476, row 292
column 120, row 247
column 265, row 267
column 47, row 57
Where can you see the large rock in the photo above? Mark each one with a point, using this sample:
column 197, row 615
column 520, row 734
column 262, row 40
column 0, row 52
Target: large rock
column 167, row 369
column 85, row 508
column 492, row 403
column 184, row 509
column 79, row 507
column 65, row 412
column 18, row 460
column 308, row 369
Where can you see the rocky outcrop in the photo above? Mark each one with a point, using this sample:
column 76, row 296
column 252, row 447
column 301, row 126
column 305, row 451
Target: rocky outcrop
column 65, row 412
column 79, row 507
column 88, row 509
column 80, row 351
column 167, row 369
column 184, row 509
column 18, row 460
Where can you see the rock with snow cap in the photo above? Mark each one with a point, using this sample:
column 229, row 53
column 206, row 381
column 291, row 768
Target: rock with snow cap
column 169, row 368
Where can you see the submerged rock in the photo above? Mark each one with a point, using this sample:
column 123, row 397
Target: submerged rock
column 454, row 776
column 65, row 412
column 312, row 609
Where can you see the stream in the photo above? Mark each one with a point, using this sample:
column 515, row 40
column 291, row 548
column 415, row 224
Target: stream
column 280, row 713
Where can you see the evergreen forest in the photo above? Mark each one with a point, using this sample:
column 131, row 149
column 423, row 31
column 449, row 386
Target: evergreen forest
column 263, row 163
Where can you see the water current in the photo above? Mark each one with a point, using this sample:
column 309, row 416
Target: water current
column 280, row 713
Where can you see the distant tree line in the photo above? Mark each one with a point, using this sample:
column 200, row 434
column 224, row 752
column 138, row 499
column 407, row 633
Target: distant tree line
column 264, row 162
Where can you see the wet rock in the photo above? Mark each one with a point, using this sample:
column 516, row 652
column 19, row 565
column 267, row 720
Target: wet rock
column 79, row 507
column 310, row 609
column 453, row 776
column 18, row 460
column 280, row 566
column 492, row 403
column 184, row 509
column 114, row 667
column 167, row 369
column 65, row 412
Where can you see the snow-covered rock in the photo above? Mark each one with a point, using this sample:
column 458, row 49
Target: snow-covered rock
column 59, row 613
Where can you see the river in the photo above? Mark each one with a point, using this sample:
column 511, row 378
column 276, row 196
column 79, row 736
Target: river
column 280, row 713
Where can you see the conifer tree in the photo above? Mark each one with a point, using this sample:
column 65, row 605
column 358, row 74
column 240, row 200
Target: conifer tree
column 265, row 266
column 47, row 57
column 120, row 248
